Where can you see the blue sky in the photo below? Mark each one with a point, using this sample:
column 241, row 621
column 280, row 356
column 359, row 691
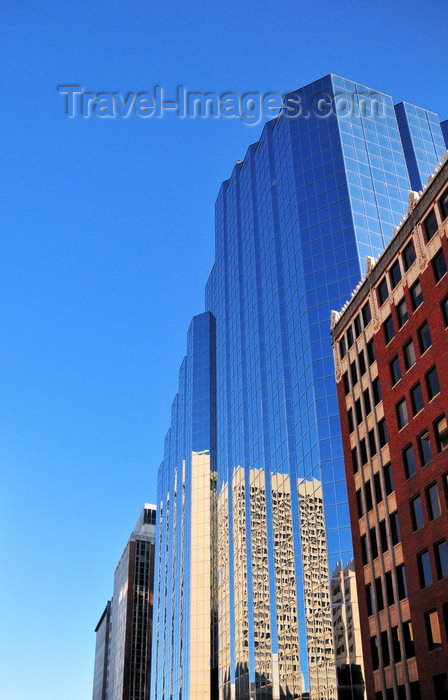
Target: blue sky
column 107, row 241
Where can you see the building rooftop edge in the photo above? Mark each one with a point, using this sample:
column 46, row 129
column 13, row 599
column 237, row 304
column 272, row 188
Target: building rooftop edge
column 375, row 267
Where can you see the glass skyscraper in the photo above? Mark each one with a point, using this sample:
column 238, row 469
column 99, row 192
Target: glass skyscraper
column 253, row 534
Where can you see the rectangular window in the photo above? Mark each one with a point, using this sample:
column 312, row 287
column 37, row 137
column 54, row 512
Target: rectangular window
column 377, row 487
column 346, row 383
column 441, row 557
column 401, row 582
column 395, row 371
column 395, row 274
column 416, row 295
column 388, row 478
column 439, row 265
column 416, row 398
column 389, row 588
column 402, row 413
column 383, row 537
column 351, row 425
column 424, row 448
column 443, row 201
column 402, row 312
column 430, row 225
column 394, row 528
column 368, row 491
column 382, row 432
column 374, row 652
column 355, row 460
column 372, row 443
column 366, row 315
column 410, row 465
column 440, row 681
column 357, row 326
column 373, row 543
column 349, row 337
column 389, row 330
column 353, row 373
column 371, row 355
column 383, row 291
column 396, row 648
column 409, row 354
column 441, row 432
column 376, row 391
column 370, row 600
column 358, row 411
column 433, row 629
column 362, row 363
column 417, row 513
column 363, row 451
column 432, row 382
column 379, row 594
column 433, row 501
column 408, row 255
column 424, row 569
column 367, row 404
column 342, row 348
column 408, row 639
column 359, row 503
column 424, row 337
column 444, row 305
column 364, row 554
column 385, row 649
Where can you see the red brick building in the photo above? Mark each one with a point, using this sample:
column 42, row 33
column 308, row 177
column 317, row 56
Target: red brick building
column 391, row 357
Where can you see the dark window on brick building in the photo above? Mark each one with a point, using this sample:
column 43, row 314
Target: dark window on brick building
column 353, row 373
column 355, row 460
column 362, row 363
column 351, row 425
column 409, row 354
column 443, row 201
column 441, row 557
column 357, row 326
column 363, row 451
column 441, row 433
column 424, row 569
column 369, row 600
column 367, row 404
column 346, row 383
column 440, row 686
column 417, row 513
column 408, row 256
column 371, row 355
column 416, row 398
column 382, row 432
column 358, row 411
column 372, row 443
column 402, row 313
column 342, row 347
column 349, row 337
column 410, row 465
column 383, row 291
column 377, row 487
column 379, row 595
column 376, row 390
column 402, row 413
column 444, row 305
column 430, row 225
column 401, row 582
column 433, row 629
column 383, row 537
column 389, row 330
column 424, row 448
column 439, row 265
column 416, row 295
column 408, row 639
column 388, row 478
column 395, row 274
column 366, row 315
column 373, row 543
column 433, row 501
column 424, row 337
column 394, row 528
column 395, row 371
column 364, row 554
column 359, row 503
column 369, row 502
column 432, row 382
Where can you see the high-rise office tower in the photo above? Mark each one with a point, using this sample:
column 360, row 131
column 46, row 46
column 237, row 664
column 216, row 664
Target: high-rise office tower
column 124, row 632
column 391, row 346
column 252, row 488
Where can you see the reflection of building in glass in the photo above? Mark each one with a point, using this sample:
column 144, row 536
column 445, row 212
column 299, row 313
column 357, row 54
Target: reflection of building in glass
column 316, row 587
column 123, row 643
column 347, row 633
column 316, row 194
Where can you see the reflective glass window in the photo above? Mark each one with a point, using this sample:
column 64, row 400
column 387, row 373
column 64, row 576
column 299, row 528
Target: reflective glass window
column 383, row 291
column 433, row 501
column 402, row 312
column 366, row 315
column 441, row 557
column 444, row 204
column 432, row 382
column 424, row 569
column 395, row 274
column 395, row 371
column 408, row 256
column 416, row 398
column 424, row 337
column 410, row 464
column 389, row 330
column 433, row 630
column 409, row 354
column 402, row 413
column 416, row 294
column 441, row 432
column 424, row 448
column 439, row 265
column 430, row 225
column 417, row 513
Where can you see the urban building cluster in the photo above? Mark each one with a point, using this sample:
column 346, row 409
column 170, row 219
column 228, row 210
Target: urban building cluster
column 301, row 519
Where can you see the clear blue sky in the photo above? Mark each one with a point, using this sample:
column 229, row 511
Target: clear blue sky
column 107, row 241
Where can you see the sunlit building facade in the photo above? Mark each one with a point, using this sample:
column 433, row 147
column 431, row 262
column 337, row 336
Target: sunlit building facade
column 124, row 632
column 316, row 194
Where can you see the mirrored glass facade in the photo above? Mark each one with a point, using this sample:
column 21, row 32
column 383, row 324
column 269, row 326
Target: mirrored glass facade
column 294, row 223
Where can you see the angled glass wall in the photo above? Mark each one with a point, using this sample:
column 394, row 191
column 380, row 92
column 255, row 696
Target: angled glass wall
column 423, row 142
column 184, row 639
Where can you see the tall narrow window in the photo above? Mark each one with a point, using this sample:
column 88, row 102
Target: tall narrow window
column 432, row 382
column 383, row 291
column 394, row 528
column 417, row 513
column 346, row 383
column 430, row 225
column 389, row 330
column 362, row 363
column 367, row 404
column 444, row 306
column 410, row 465
column 395, row 371
column 357, row 326
column 388, row 478
column 402, row 313
column 424, row 337
column 409, row 354
column 433, row 630
column 382, row 432
column 439, row 265
column 408, row 256
column 433, row 501
column 424, row 569
column 371, row 352
column 401, row 582
column 441, row 431
column 444, row 204
column 402, row 414
column 416, row 398
column 395, row 274
column 376, row 390
column 416, row 295
column 366, row 315
column 424, row 448
column 349, row 337
column 441, row 557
